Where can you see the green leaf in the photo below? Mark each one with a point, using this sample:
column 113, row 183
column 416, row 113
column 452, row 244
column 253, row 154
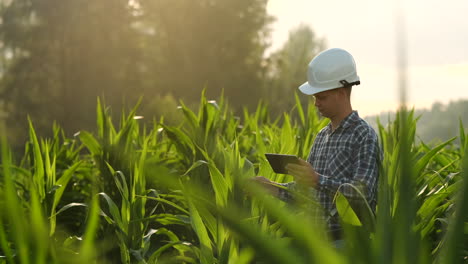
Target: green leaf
column 451, row 251
column 62, row 184
column 189, row 115
column 68, row 206
column 167, row 202
column 39, row 175
column 345, row 210
column 463, row 141
column 182, row 141
column 220, row 185
column 88, row 250
column 300, row 110
column 91, row 143
column 195, row 165
column 422, row 162
column 202, row 233
column 114, row 211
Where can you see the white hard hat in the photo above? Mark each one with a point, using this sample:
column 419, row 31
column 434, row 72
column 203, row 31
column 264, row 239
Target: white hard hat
column 330, row 69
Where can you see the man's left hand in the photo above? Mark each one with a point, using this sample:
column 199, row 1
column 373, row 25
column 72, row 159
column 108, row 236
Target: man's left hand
column 303, row 173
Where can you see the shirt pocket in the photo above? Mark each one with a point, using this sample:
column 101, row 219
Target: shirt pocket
column 340, row 163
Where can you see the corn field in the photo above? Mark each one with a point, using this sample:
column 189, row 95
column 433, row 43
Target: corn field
column 134, row 193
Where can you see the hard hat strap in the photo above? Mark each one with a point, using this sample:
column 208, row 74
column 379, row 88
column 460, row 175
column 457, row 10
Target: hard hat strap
column 345, row 83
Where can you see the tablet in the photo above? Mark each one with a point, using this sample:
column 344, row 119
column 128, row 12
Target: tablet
column 278, row 162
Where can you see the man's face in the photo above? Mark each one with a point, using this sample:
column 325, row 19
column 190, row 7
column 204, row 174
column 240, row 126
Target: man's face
column 327, row 102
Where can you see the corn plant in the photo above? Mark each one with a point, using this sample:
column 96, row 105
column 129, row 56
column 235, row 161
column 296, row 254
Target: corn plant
column 149, row 192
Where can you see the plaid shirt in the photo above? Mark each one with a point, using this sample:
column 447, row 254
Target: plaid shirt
column 348, row 155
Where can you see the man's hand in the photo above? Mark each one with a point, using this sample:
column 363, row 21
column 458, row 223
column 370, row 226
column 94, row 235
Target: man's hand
column 303, row 173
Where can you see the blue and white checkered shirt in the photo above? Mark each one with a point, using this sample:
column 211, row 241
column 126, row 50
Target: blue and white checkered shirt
column 348, row 155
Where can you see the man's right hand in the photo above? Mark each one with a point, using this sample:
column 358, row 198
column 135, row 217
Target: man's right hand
column 303, row 173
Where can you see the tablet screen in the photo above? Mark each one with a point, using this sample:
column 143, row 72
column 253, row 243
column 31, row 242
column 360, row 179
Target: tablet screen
column 278, row 162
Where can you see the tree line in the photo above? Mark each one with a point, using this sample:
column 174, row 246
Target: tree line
column 57, row 57
column 438, row 123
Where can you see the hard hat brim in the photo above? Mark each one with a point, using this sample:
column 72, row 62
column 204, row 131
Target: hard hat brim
column 309, row 90
column 305, row 88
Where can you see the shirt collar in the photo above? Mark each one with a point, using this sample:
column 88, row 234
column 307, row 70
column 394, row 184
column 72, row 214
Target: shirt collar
column 346, row 122
column 350, row 120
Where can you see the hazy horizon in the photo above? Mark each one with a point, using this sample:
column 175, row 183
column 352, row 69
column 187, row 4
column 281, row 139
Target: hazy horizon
column 437, row 37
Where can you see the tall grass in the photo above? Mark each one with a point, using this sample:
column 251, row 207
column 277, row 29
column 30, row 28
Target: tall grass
column 154, row 193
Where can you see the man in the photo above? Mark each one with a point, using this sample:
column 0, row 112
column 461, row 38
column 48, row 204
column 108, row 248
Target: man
column 345, row 152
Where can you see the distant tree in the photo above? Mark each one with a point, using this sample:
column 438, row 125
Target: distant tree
column 58, row 56
column 214, row 44
column 288, row 66
column 439, row 123
column 62, row 55
column 442, row 122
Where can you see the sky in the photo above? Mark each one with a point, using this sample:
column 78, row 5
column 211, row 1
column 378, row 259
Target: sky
column 436, row 46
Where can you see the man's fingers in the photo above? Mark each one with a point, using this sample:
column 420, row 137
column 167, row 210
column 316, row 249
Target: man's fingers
column 292, row 166
column 303, row 162
column 299, row 171
column 296, row 172
column 302, row 172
